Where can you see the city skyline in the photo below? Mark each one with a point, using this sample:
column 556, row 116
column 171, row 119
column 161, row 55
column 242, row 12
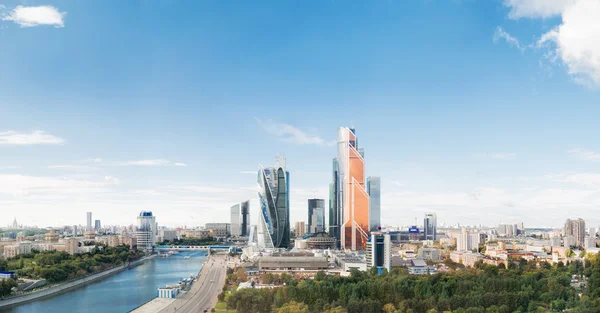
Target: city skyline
column 468, row 118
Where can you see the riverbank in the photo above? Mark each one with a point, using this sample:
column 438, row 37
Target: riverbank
column 64, row 287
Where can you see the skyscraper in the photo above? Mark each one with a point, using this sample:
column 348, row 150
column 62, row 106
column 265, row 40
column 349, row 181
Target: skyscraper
column 430, row 226
column 316, row 215
column 245, row 226
column 575, row 228
column 300, row 229
column 89, row 221
column 274, row 220
column 97, row 225
column 235, row 220
column 145, row 233
column 334, row 209
column 374, row 191
column 352, row 194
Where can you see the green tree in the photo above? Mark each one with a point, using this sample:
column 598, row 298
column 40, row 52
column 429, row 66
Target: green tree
column 293, row 307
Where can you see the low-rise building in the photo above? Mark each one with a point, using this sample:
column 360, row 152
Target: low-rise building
column 219, row 230
column 429, row 254
column 292, row 264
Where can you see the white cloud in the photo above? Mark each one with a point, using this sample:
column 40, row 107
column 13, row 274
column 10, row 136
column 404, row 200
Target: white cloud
column 249, row 172
column 583, row 154
column 291, row 134
column 36, row 16
column 24, row 185
column 497, row 156
column 154, row 162
column 10, row 167
column 95, row 160
column 71, row 167
column 574, row 42
column 112, row 180
column 580, row 179
column 536, row 8
column 512, row 41
column 37, row 137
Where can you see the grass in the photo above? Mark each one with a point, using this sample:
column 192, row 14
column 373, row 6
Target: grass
column 222, row 307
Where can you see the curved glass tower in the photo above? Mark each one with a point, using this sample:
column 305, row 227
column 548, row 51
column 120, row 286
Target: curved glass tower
column 273, row 196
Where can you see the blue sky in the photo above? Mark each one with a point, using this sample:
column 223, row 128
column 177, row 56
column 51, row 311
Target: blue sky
column 482, row 111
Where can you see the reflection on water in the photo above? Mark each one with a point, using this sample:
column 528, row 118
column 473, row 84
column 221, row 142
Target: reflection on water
column 121, row 292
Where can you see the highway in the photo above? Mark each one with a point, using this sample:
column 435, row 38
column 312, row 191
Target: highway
column 203, row 293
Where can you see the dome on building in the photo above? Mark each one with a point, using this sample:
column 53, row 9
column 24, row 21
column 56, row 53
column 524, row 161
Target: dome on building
column 146, row 213
column 320, row 241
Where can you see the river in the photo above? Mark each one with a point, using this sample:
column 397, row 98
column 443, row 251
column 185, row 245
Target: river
column 121, row 292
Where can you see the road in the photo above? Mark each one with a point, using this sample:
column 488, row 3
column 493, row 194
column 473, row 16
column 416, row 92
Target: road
column 203, row 293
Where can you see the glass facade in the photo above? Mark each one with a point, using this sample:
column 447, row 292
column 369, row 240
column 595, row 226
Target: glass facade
column 245, row 227
column 352, row 194
column 430, row 226
column 334, row 209
column 235, row 221
column 374, row 190
column 316, row 215
column 274, row 224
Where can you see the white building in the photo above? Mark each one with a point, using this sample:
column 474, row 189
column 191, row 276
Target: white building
column 146, row 231
column 379, row 251
column 589, row 242
column 568, row 241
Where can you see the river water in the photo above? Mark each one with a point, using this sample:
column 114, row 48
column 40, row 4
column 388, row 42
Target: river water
column 121, row 292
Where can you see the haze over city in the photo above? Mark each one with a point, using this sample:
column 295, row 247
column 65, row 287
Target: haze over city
column 484, row 112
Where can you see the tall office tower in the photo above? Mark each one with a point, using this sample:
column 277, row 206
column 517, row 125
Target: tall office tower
column 374, row 191
column 253, row 234
column 575, row 228
column 245, row 226
column 235, row 220
column 89, row 221
column 97, row 225
column 316, row 216
column 430, row 226
column 74, row 230
column 353, row 196
column 145, row 230
column 274, row 220
column 379, row 251
column 334, row 209
column 300, row 229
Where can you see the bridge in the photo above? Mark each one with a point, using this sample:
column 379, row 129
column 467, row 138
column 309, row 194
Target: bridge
column 193, row 248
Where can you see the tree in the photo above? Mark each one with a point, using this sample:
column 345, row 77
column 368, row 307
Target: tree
column 389, row 308
column 338, row 309
column 293, row 307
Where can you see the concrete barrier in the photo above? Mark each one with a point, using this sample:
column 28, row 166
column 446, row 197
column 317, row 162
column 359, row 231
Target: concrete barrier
column 61, row 288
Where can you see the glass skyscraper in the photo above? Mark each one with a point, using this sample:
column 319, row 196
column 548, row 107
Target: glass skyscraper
column 316, row 215
column 245, row 227
column 352, row 194
column 235, row 220
column 274, row 220
column 374, row 190
column 146, row 229
column 334, row 210
column 430, row 226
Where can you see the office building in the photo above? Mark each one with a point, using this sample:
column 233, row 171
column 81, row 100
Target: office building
column 245, row 227
column 75, row 230
column 167, row 235
column 374, row 191
column 352, row 194
column 575, row 228
column 97, row 225
column 89, row 221
column 145, row 234
column 430, row 226
column 235, row 220
column 316, row 216
column 300, row 229
column 274, row 220
column 379, row 251
column 253, row 234
column 218, row 230
column 334, row 209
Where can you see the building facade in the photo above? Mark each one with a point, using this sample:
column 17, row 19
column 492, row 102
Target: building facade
column 379, row 251
column 218, row 230
column 300, row 229
column 245, row 226
column 97, row 225
column 89, row 221
column 146, row 232
column 430, row 226
column 374, row 191
column 316, row 216
column 575, row 228
column 334, row 209
column 352, row 194
column 274, row 220
column 235, row 220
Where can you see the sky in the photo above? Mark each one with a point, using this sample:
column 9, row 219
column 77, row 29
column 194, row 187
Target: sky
column 483, row 112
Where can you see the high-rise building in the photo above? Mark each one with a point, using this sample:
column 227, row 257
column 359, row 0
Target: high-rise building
column 274, row 220
column 379, row 251
column 575, row 228
column 89, row 221
column 430, row 226
column 316, row 216
column 334, row 208
column 352, row 194
column 75, row 230
column 300, row 229
column 72, row 245
column 245, row 227
column 146, row 223
column 253, row 234
column 374, row 191
column 235, row 219
column 97, row 225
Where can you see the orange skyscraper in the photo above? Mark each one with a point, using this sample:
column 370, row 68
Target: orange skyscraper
column 352, row 196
